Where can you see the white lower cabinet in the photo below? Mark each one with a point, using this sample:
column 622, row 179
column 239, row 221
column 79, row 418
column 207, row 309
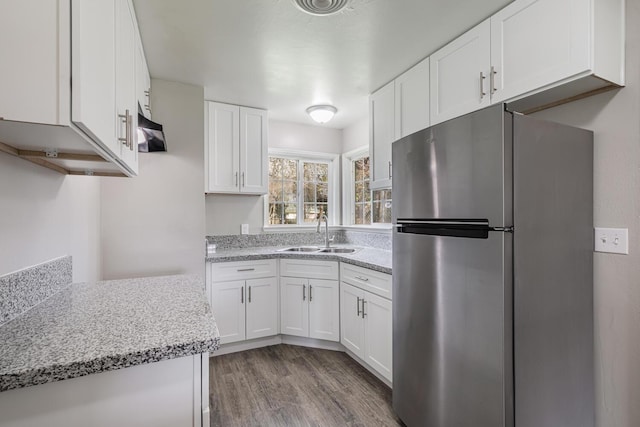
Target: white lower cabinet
column 246, row 308
column 366, row 318
column 309, row 307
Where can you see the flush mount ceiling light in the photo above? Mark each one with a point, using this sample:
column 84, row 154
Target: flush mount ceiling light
column 321, row 7
column 322, row 113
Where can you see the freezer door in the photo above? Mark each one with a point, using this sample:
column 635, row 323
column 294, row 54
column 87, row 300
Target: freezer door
column 456, row 169
column 452, row 305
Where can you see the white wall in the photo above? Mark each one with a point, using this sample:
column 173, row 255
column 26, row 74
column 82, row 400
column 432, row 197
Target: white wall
column 225, row 213
column 46, row 215
column 356, row 135
column 615, row 119
column 154, row 224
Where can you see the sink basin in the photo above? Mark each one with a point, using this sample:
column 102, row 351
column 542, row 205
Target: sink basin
column 301, row 249
column 338, row 250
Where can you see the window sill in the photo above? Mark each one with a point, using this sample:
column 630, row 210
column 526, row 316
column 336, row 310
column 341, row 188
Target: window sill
column 382, row 228
column 295, row 228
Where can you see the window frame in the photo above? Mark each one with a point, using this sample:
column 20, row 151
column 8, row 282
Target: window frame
column 348, row 191
column 333, row 188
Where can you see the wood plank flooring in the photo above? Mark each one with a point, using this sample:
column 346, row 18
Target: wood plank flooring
column 286, row 385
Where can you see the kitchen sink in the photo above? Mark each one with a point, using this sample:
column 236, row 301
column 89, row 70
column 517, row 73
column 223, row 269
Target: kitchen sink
column 338, row 250
column 301, row 249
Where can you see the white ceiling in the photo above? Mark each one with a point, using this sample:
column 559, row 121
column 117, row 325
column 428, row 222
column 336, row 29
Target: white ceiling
column 268, row 54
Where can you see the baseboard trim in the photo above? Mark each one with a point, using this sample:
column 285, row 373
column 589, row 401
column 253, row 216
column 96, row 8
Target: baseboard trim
column 369, row 368
column 312, row 343
column 247, row 345
column 299, row 341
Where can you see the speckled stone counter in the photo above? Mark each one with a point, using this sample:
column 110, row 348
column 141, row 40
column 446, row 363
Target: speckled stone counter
column 94, row 327
column 374, row 259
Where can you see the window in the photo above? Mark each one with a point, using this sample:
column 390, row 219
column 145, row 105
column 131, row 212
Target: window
column 299, row 190
column 364, row 206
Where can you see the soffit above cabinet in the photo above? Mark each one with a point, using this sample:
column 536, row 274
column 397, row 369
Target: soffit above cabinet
column 271, row 55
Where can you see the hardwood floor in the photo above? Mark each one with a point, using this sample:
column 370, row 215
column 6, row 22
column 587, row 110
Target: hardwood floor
column 285, row 385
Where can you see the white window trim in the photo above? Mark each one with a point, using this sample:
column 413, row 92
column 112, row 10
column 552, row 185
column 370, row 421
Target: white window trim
column 348, row 196
column 333, row 195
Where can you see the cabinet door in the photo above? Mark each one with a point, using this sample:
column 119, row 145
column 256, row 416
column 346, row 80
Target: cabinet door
column 127, row 111
column 143, row 81
column 294, row 308
column 227, row 304
column 412, row 100
column 254, row 156
column 527, row 55
column 222, row 148
column 378, row 334
column 93, row 79
column 381, row 135
column 460, row 75
column 31, row 83
column 324, row 309
column 262, row 307
column 351, row 322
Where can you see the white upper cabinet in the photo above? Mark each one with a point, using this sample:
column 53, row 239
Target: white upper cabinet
column 143, row 81
column 30, row 72
column 254, row 151
column 67, row 74
column 222, row 147
column 126, row 99
column 412, row 100
column 236, row 149
column 398, row 109
column 381, row 135
column 460, row 75
column 541, row 44
column 93, row 70
column 533, row 54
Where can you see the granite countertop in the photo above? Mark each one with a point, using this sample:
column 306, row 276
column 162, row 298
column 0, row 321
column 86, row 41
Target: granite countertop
column 371, row 258
column 93, row 327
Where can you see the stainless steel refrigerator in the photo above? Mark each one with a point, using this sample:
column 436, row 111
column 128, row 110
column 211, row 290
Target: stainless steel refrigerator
column 492, row 273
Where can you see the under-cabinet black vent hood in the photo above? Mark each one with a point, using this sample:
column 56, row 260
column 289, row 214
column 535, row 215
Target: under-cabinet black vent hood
column 150, row 136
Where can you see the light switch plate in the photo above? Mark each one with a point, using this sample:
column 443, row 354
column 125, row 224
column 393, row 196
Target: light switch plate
column 244, row 229
column 612, row 240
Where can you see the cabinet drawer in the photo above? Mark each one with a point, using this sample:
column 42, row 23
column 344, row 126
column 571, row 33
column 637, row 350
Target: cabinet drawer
column 309, row 269
column 242, row 270
column 369, row 280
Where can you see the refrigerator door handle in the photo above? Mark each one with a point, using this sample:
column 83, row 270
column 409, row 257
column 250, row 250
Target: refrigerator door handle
column 469, row 228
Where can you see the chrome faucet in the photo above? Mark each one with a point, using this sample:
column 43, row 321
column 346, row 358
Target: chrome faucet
column 327, row 240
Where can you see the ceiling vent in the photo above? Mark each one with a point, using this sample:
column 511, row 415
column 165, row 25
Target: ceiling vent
column 321, row 7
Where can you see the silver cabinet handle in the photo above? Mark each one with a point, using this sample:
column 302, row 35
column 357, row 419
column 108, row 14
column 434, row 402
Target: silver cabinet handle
column 242, row 295
column 482, row 92
column 124, row 119
column 358, row 306
column 389, row 169
column 130, row 128
column 236, row 179
column 304, row 292
column 492, row 80
column 364, row 279
column 249, row 293
column 363, row 303
column 310, row 293
column 245, row 269
column 243, row 180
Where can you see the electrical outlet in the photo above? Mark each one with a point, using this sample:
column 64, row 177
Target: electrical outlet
column 612, row 240
column 244, row 229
